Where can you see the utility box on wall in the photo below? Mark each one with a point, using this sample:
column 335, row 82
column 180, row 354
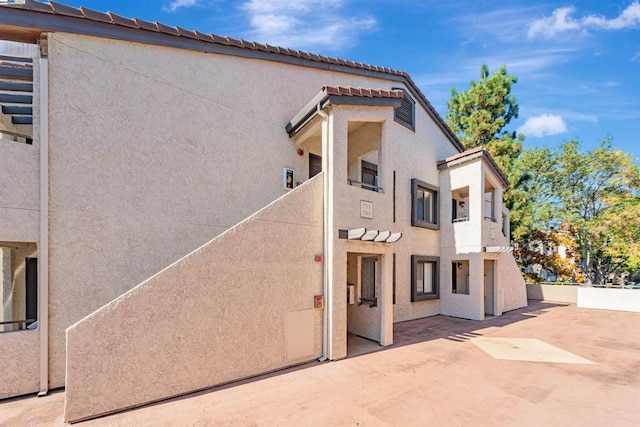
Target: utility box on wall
column 287, row 179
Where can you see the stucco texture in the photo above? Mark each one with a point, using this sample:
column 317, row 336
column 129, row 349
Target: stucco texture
column 20, row 363
column 216, row 315
column 19, row 191
column 155, row 151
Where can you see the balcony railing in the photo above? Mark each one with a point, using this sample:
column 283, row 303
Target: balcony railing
column 22, row 324
column 364, row 185
column 17, row 137
column 461, row 219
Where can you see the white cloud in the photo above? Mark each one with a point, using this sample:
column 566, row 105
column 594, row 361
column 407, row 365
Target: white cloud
column 561, row 21
column 543, row 125
column 177, row 4
column 305, row 25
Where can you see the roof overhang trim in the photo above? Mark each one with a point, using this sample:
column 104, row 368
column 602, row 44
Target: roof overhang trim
column 471, row 155
column 323, row 100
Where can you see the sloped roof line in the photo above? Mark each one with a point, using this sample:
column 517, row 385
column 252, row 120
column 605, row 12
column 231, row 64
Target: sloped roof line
column 109, row 18
column 343, row 95
column 473, row 153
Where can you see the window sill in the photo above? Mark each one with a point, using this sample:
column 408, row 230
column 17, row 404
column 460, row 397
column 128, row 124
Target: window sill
column 425, row 297
column 424, row 224
column 371, row 302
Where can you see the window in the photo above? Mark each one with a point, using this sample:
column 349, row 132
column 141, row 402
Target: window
column 460, row 205
column 424, row 206
column 368, row 281
column 489, row 202
column 424, row 278
column 369, row 176
column 405, row 113
column 18, row 286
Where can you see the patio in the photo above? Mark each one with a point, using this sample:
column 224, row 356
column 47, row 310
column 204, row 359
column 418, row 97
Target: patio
column 546, row 364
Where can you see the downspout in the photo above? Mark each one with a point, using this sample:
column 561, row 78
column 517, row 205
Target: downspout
column 43, row 250
column 326, row 288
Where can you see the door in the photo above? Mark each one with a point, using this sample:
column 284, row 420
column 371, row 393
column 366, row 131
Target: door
column 315, row 165
column 489, row 288
column 31, row 297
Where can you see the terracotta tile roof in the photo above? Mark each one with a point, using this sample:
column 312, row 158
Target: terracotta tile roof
column 461, row 155
column 56, row 8
column 362, row 92
column 109, row 18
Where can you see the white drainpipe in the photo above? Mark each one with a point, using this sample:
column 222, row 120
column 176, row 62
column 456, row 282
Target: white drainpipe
column 327, row 227
column 43, row 249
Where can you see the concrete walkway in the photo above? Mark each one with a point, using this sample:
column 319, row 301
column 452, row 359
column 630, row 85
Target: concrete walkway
column 441, row 371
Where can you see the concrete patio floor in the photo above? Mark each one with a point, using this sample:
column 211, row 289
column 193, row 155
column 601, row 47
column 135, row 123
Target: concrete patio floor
column 440, row 371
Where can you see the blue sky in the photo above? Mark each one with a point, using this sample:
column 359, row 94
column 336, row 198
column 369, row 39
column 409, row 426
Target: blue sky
column 577, row 61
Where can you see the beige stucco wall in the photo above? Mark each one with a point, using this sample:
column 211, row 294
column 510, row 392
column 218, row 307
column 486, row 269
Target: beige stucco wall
column 154, row 151
column 410, row 155
column 558, row 293
column 19, row 191
column 216, row 315
column 466, row 240
column 20, row 362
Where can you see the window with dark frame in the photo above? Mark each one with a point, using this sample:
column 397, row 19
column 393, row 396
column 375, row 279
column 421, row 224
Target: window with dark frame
column 424, row 278
column 405, row 113
column 424, row 205
column 368, row 281
column 369, row 176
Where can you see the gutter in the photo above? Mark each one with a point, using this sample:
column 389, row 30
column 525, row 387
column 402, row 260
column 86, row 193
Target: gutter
column 326, row 288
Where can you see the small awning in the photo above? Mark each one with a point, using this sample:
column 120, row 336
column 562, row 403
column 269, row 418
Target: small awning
column 385, row 236
column 498, row 249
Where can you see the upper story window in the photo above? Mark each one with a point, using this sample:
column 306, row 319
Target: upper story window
column 369, row 176
column 405, row 113
column 424, row 205
column 364, row 159
column 460, row 205
column 489, row 202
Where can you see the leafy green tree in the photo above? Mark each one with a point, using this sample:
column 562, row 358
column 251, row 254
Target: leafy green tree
column 554, row 250
column 596, row 191
column 480, row 115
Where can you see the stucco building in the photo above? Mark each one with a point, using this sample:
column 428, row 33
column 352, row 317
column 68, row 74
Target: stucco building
column 180, row 210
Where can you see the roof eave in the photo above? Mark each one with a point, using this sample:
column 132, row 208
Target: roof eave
column 323, row 100
column 27, row 23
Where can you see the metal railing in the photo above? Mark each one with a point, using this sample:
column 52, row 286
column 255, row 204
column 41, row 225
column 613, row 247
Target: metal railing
column 17, row 137
column 22, row 324
column 461, row 219
column 365, row 186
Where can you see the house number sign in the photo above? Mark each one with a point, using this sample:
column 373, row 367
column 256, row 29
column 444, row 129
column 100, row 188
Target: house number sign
column 366, row 209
